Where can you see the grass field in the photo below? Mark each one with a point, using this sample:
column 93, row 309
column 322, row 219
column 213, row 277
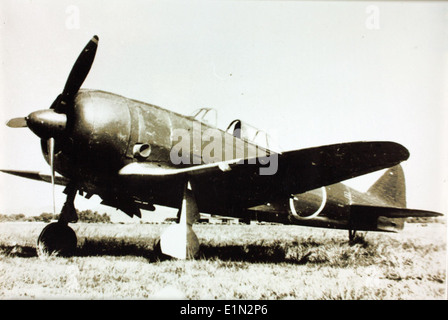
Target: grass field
column 117, row 261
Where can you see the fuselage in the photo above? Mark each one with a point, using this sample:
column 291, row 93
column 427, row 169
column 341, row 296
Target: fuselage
column 108, row 131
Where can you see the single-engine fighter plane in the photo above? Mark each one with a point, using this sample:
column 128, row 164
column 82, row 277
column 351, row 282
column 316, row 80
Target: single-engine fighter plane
column 136, row 155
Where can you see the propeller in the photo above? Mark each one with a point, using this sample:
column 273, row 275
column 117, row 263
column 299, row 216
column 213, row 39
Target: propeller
column 78, row 74
column 17, row 123
column 51, row 157
column 50, row 124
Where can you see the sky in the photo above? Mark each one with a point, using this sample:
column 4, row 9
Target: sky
column 309, row 73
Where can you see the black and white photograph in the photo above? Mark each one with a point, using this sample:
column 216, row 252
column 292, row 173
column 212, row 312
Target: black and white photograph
column 223, row 150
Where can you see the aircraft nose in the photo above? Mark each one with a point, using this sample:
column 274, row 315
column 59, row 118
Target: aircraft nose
column 47, row 123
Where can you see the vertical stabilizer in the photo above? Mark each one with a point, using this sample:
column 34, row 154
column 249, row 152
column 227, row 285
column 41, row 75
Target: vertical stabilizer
column 390, row 187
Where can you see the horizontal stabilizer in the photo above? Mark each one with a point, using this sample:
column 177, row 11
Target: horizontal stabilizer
column 392, row 212
column 34, row 175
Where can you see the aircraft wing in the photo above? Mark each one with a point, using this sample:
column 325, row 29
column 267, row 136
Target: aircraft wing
column 312, row 168
column 39, row 176
column 297, row 171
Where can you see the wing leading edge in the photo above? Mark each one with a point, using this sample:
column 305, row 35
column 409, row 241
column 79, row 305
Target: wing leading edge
column 39, row 176
column 297, row 171
column 312, row 168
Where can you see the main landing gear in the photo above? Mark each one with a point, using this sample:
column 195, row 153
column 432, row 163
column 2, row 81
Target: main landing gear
column 177, row 241
column 180, row 241
column 58, row 238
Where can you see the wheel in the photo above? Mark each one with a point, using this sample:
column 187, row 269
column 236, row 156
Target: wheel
column 57, row 239
column 351, row 234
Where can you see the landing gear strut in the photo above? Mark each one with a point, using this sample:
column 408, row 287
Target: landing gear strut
column 351, row 234
column 58, row 238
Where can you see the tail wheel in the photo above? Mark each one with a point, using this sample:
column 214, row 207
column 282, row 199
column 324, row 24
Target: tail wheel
column 57, row 239
column 351, row 234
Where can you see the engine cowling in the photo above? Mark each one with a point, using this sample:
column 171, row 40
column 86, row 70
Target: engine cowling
column 308, row 205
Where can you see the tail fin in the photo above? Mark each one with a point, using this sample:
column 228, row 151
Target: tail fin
column 390, row 187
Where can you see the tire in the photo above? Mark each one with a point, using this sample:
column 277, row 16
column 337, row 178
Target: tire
column 56, row 239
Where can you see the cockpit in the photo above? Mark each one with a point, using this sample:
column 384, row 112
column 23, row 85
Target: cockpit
column 206, row 115
column 245, row 131
column 238, row 129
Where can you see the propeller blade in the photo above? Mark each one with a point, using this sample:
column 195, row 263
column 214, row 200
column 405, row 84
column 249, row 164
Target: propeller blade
column 17, row 123
column 51, row 156
column 78, row 74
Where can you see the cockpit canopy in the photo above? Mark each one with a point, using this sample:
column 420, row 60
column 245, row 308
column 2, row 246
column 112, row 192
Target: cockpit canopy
column 245, row 131
column 238, row 129
column 206, row 115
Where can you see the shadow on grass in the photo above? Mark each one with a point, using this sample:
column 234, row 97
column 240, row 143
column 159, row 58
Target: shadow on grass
column 18, row 251
column 115, row 247
column 254, row 253
column 118, row 248
column 101, row 247
column 299, row 252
